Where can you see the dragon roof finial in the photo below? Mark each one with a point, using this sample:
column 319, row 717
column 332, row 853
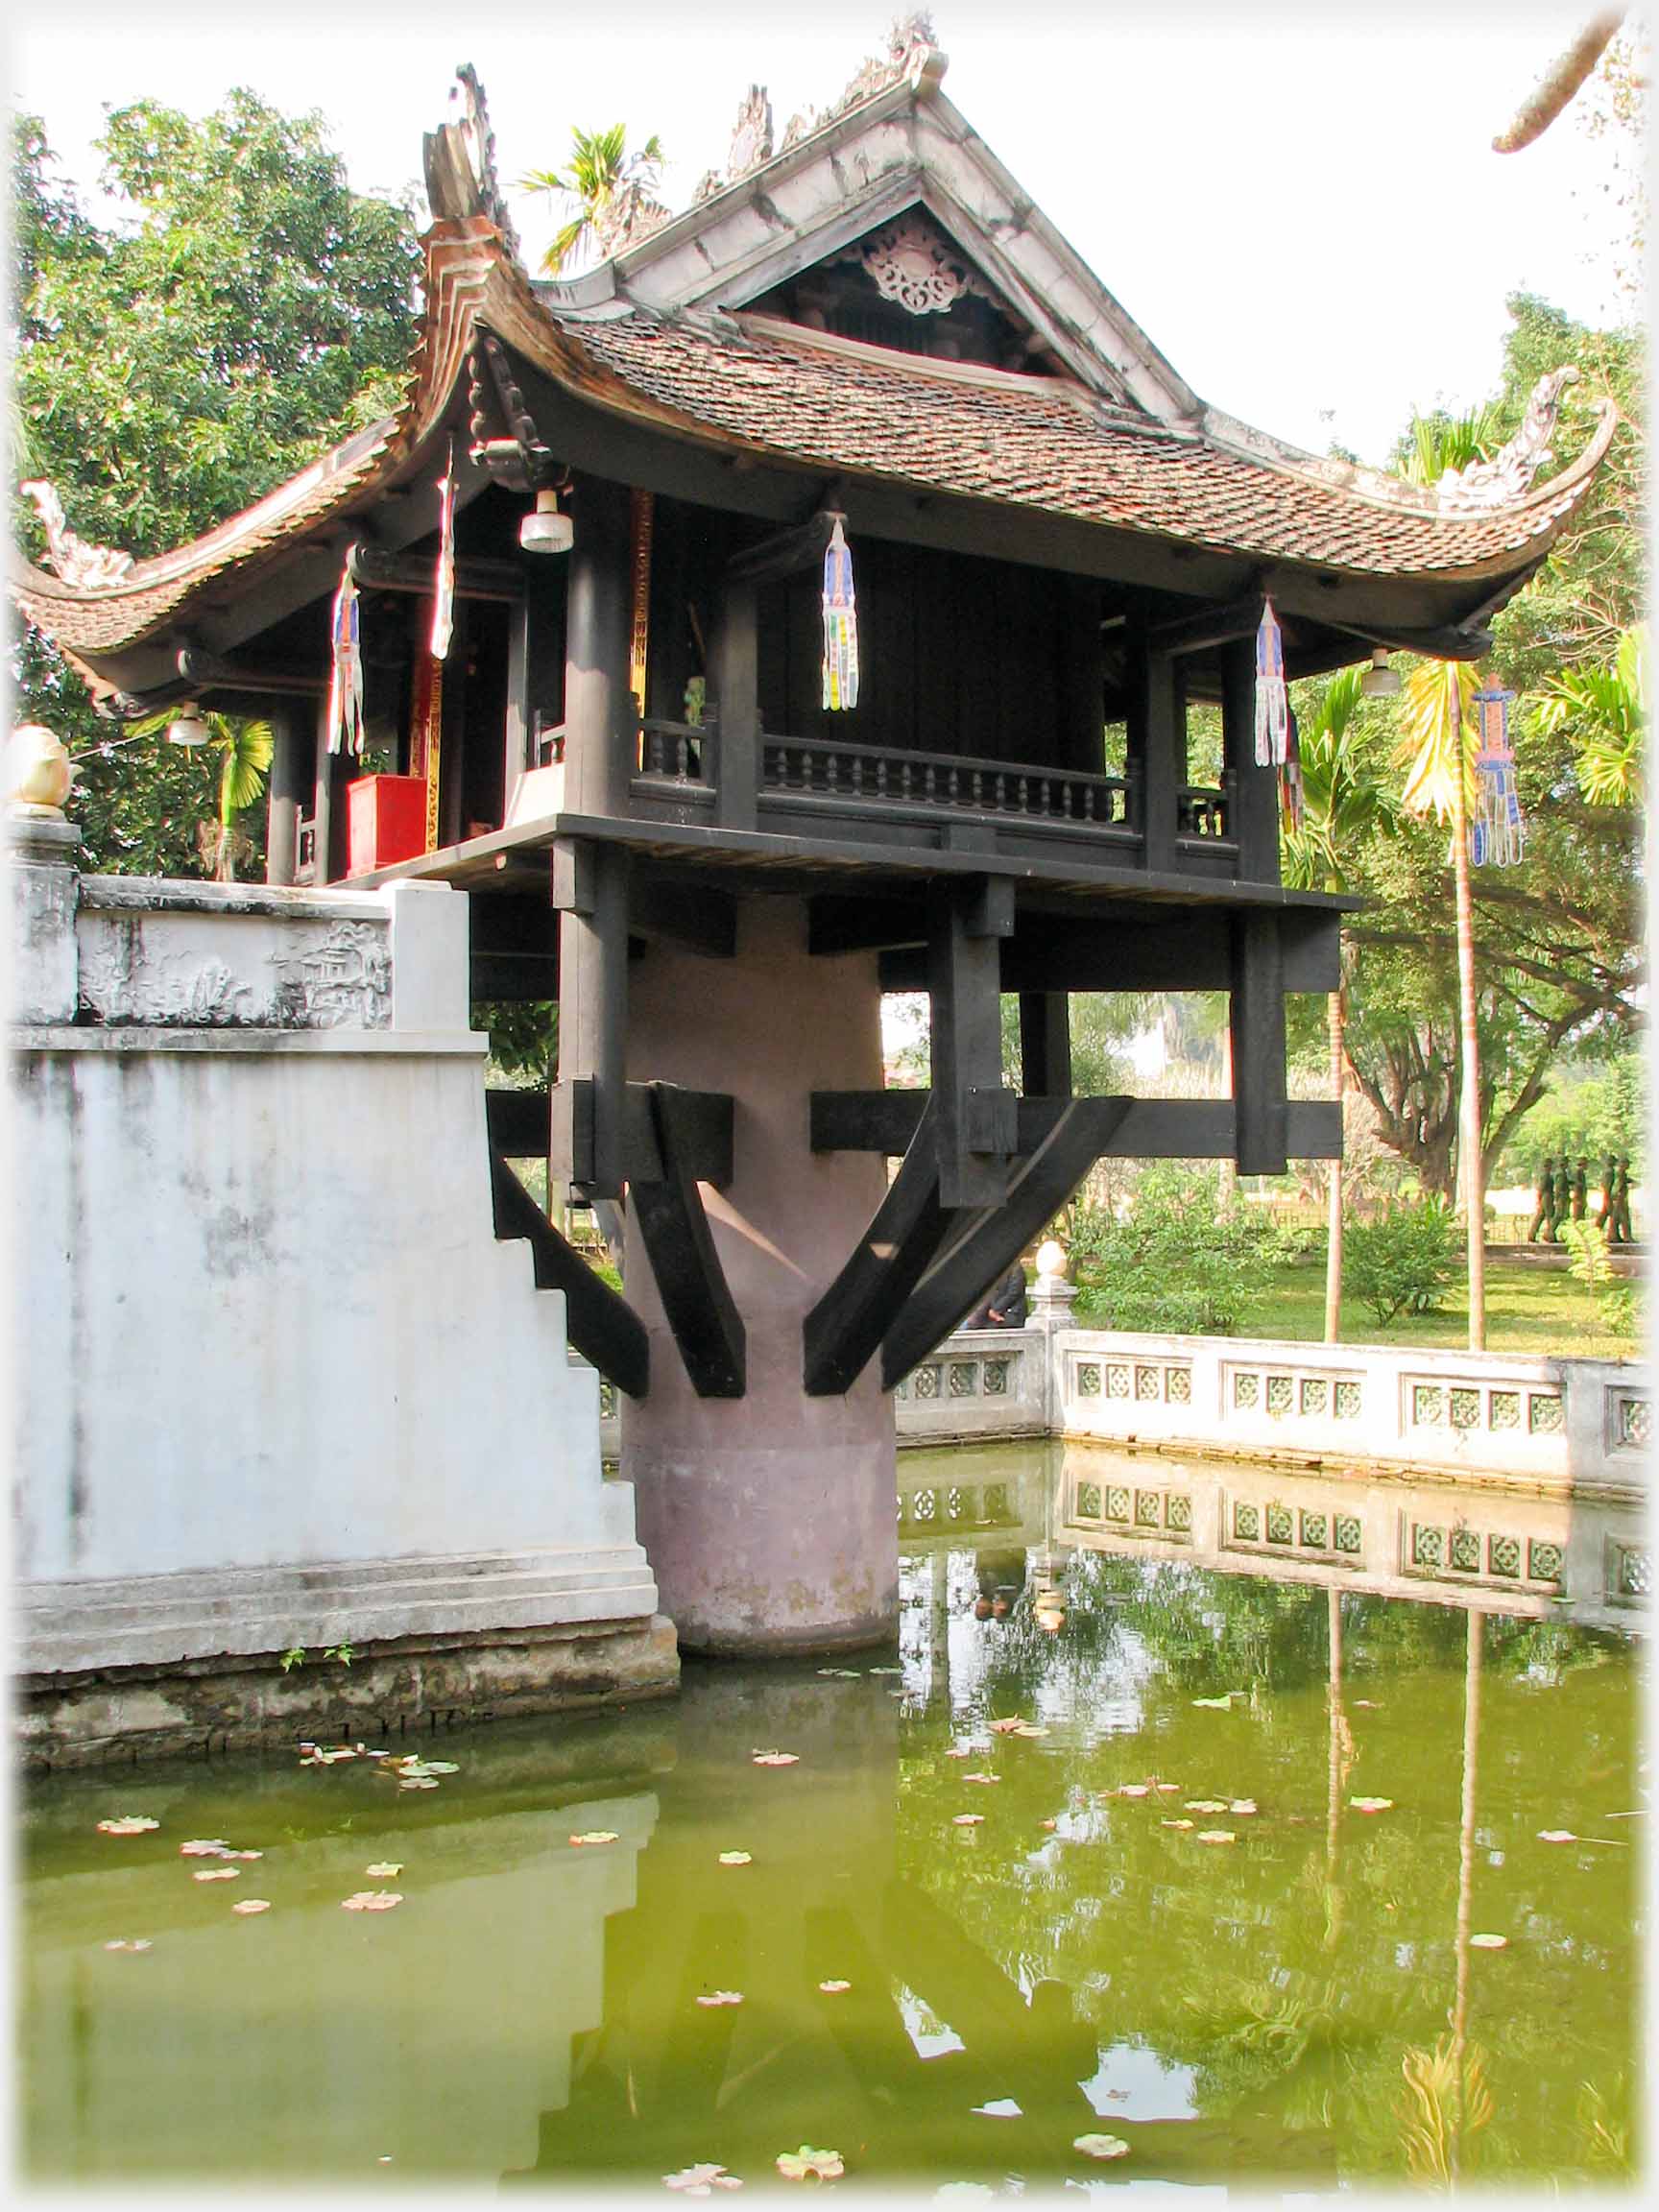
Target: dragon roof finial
column 1508, row 475
column 87, row 567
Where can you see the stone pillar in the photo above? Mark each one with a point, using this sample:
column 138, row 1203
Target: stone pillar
column 1049, row 1305
column 45, row 974
column 768, row 1519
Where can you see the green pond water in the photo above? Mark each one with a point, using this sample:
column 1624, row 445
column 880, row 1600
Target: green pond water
column 1307, row 2004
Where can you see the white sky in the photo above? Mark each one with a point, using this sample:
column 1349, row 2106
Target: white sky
column 1300, row 205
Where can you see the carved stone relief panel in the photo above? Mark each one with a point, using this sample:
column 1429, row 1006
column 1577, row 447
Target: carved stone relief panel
column 228, row 972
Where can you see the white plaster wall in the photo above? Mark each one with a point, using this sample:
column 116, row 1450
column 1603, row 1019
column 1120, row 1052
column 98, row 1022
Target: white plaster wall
column 261, row 1318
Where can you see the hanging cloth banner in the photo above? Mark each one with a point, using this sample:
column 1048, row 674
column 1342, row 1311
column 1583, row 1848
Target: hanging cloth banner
column 443, row 591
column 1272, row 698
column 1290, row 775
column 426, row 727
column 840, row 627
column 346, row 675
column 641, row 514
column 1497, row 828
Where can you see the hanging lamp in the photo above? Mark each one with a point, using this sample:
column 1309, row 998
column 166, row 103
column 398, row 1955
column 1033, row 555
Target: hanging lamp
column 546, row 530
column 187, row 727
column 1380, row 681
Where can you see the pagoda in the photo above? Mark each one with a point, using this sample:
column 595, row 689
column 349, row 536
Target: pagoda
column 832, row 591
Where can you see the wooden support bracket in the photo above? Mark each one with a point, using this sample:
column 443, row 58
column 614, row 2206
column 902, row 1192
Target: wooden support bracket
column 674, row 1230
column 601, row 1325
column 847, row 1325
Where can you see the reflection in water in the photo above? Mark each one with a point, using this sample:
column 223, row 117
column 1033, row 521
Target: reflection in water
column 1026, row 1958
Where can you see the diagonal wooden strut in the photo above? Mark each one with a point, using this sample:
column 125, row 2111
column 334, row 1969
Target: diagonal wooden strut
column 674, row 1229
column 954, row 1284
column 601, row 1325
column 848, row 1323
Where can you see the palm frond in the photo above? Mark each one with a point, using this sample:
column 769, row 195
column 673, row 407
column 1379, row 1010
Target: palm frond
column 1436, row 697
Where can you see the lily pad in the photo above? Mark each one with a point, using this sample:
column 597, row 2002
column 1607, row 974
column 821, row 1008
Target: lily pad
column 821, row 2165
column 967, row 1819
column 1166, row 1788
column 777, row 1759
column 1135, row 1790
column 1221, row 1704
column 205, row 1848
column 217, row 1874
column 841, row 1673
column 834, row 1988
column 699, row 2180
column 886, row 1669
column 736, row 1858
column 1371, row 1804
column 1028, row 1729
column 721, row 1997
column 1490, row 1942
column 129, row 1943
column 588, row 1836
column 1243, row 1805
column 1175, row 1824
column 1216, row 1836
column 128, row 1824
column 982, row 1777
column 252, row 1905
column 385, row 1869
column 371, row 1901
column 1007, row 1727
column 1100, row 2146
column 1207, row 1804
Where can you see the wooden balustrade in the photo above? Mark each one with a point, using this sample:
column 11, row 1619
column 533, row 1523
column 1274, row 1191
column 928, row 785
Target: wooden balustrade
column 823, row 768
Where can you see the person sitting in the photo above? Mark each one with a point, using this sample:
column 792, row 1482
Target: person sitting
column 1005, row 1307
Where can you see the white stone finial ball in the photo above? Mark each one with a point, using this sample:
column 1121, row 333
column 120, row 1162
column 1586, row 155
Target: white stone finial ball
column 1050, row 1260
column 39, row 771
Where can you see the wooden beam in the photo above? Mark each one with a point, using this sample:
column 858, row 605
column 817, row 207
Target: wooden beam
column 374, row 570
column 1254, row 816
column 788, row 554
column 955, row 1283
column 1207, row 626
column 1166, row 947
column 1147, row 1129
column 599, row 1324
column 842, row 921
column 736, row 679
column 1256, row 1016
column 1045, row 1044
column 844, row 1328
column 973, row 1123
column 673, row 1227
column 591, row 890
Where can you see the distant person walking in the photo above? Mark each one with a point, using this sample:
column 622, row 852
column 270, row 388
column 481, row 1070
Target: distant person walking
column 1543, row 1207
column 1562, row 1208
column 1609, row 1171
column 1621, row 1230
column 1581, row 1190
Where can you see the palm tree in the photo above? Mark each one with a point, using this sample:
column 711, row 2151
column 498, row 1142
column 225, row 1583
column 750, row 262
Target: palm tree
column 1343, row 806
column 1438, row 717
column 1604, row 712
column 245, row 749
column 600, row 178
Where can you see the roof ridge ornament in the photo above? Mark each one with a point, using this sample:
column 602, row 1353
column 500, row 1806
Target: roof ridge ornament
column 85, row 568
column 1507, row 477
column 460, row 161
column 910, row 263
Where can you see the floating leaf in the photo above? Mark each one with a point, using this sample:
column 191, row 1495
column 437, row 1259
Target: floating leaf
column 1221, row 1704
column 205, row 1848
column 824, row 2165
column 1027, row 1728
column 129, row 1943
column 417, row 1782
column 1216, row 1836
column 967, row 1819
column 442, row 1767
column 1048, row 1823
column 1490, row 1942
column 722, row 1997
column 886, row 1669
column 734, row 1858
column 128, row 1824
column 252, row 1905
column 699, row 2180
column 998, row 2108
column 777, row 1759
column 1007, row 1727
column 1207, row 1804
column 841, row 1673
column 1243, row 1805
column 834, row 1988
column 1100, row 2146
column 982, row 1777
column 1135, row 1790
column 588, row 1835
column 371, row 1901
column 1175, row 1824
column 1370, row 1704
column 1557, row 1836
column 1166, row 1789
column 1371, row 1804
column 216, row 1874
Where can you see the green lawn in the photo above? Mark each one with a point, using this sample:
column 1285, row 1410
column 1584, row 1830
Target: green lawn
column 1528, row 1309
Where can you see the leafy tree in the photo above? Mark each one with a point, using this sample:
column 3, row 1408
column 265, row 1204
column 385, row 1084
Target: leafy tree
column 601, row 184
column 1603, row 710
column 173, row 367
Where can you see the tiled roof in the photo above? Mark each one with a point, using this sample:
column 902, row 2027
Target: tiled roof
column 1019, row 441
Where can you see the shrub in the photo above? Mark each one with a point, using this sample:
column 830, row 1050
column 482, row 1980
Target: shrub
column 1404, row 1264
column 1180, row 1263
column 1590, row 1264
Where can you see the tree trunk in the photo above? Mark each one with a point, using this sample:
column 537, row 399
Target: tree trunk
column 1471, row 1174
column 1334, row 1231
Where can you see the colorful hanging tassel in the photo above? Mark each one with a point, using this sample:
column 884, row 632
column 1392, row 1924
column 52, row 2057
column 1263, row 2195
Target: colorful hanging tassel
column 1272, row 697
column 840, row 627
column 346, row 674
column 1290, row 775
column 1497, row 828
column 443, row 591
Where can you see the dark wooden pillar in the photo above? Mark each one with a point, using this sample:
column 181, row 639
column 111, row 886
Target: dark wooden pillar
column 738, row 692
column 293, row 771
column 601, row 746
column 590, row 892
column 332, row 772
column 975, row 1116
column 1046, row 1043
column 1157, row 748
column 1255, row 810
column 1256, row 1015
column 1082, row 687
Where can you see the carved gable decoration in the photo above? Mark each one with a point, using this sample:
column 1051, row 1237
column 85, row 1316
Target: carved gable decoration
column 908, row 262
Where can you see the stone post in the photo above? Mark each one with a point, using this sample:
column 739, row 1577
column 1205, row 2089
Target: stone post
column 45, row 882
column 1051, row 1299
